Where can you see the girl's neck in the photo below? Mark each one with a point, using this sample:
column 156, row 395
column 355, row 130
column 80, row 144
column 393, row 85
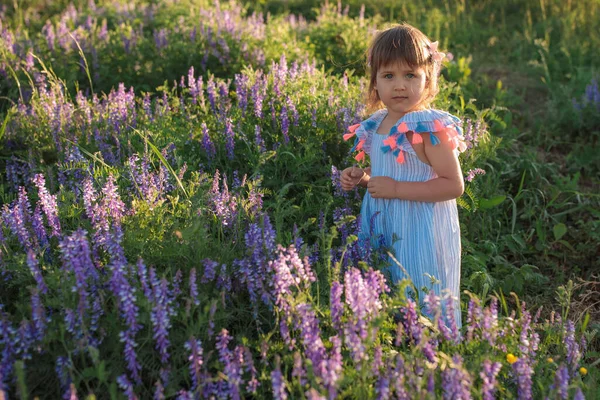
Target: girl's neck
column 398, row 116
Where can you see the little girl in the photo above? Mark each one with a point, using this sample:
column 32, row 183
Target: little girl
column 414, row 177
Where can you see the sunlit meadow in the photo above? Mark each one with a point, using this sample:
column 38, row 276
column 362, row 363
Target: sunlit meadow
column 172, row 223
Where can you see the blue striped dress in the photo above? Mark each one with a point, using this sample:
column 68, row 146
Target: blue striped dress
column 424, row 236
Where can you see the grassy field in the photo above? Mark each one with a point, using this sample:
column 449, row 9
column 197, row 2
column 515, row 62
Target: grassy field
column 156, row 154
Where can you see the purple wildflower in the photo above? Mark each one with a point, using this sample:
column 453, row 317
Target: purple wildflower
column 194, row 287
column 211, row 89
column 473, row 172
column 456, row 382
column 221, row 202
column 258, row 140
column 337, row 308
column 278, row 382
column 290, row 273
column 229, row 139
column 241, row 88
column 298, row 370
column 160, row 317
column 207, row 143
column 327, row 368
column 127, row 387
column 48, row 31
column 38, row 315
column 377, row 360
column 160, row 38
column 473, row 132
column 450, row 316
column 572, row 347
column 63, row 365
column 125, row 295
column 210, row 267
column 474, row 318
column 362, row 296
column 195, row 348
column 258, row 93
column 382, row 388
column 561, row 382
column 224, row 279
column 211, row 318
column 176, row 291
column 336, row 182
column 490, row 322
column 285, row 124
column 523, row 373
column 9, row 342
column 279, row 72
column 253, row 383
column 17, row 216
column 76, row 256
column 34, row 267
column 488, row 374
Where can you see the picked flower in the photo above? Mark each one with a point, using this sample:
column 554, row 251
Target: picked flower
column 511, row 358
column 583, row 371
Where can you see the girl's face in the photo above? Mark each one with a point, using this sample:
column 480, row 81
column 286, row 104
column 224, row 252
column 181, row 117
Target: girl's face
column 400, row 88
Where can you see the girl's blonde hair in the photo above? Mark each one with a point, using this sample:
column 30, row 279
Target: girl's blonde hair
column 403, row 44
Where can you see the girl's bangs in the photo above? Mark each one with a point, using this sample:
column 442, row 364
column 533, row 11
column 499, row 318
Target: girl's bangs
column 399, row 47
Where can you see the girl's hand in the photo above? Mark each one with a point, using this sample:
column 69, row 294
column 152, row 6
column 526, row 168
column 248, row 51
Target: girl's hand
column 382, row 187
column 351, row 177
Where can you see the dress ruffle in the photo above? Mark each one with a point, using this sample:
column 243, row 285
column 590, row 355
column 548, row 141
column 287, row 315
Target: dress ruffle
column 435, row 122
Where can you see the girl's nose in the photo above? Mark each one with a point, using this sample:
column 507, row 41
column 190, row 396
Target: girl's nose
column 399, row 85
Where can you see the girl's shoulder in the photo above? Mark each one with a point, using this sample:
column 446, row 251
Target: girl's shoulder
column 363, row 133
column 429, row 120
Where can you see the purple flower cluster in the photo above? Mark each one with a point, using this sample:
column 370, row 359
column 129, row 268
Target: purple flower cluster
column 254, row 268
column 291, row 276
column 196, row 361
column 336, row 175
column 362, row 295
column 34, row 267
column 572, row 347
column 17, row 217
column 591, row 97
column 473, row 132
column 152, row 186
column 18, row 172
column 207, row 143
column 488, row 374
column 126, row 302
column 258, row 93
column 456, row 381
column 474, row 172
column 328, row 368
column 229, row 139
column 233, row 363
column 221, row 202
column 162, row 311
column 104, row 213
column 48, row 204
column 278, row 382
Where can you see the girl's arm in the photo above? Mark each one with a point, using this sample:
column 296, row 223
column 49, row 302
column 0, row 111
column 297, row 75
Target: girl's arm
column 448, row 185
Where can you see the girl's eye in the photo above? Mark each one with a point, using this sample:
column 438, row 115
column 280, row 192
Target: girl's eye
column 410, row 76
column 388, row 76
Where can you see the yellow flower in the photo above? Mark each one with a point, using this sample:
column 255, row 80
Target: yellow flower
column 583, row 371
column 511, row 358
column 550, row 360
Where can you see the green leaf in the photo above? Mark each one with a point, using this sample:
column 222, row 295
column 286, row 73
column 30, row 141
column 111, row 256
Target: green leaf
column 491, row 203
column 559, row 231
